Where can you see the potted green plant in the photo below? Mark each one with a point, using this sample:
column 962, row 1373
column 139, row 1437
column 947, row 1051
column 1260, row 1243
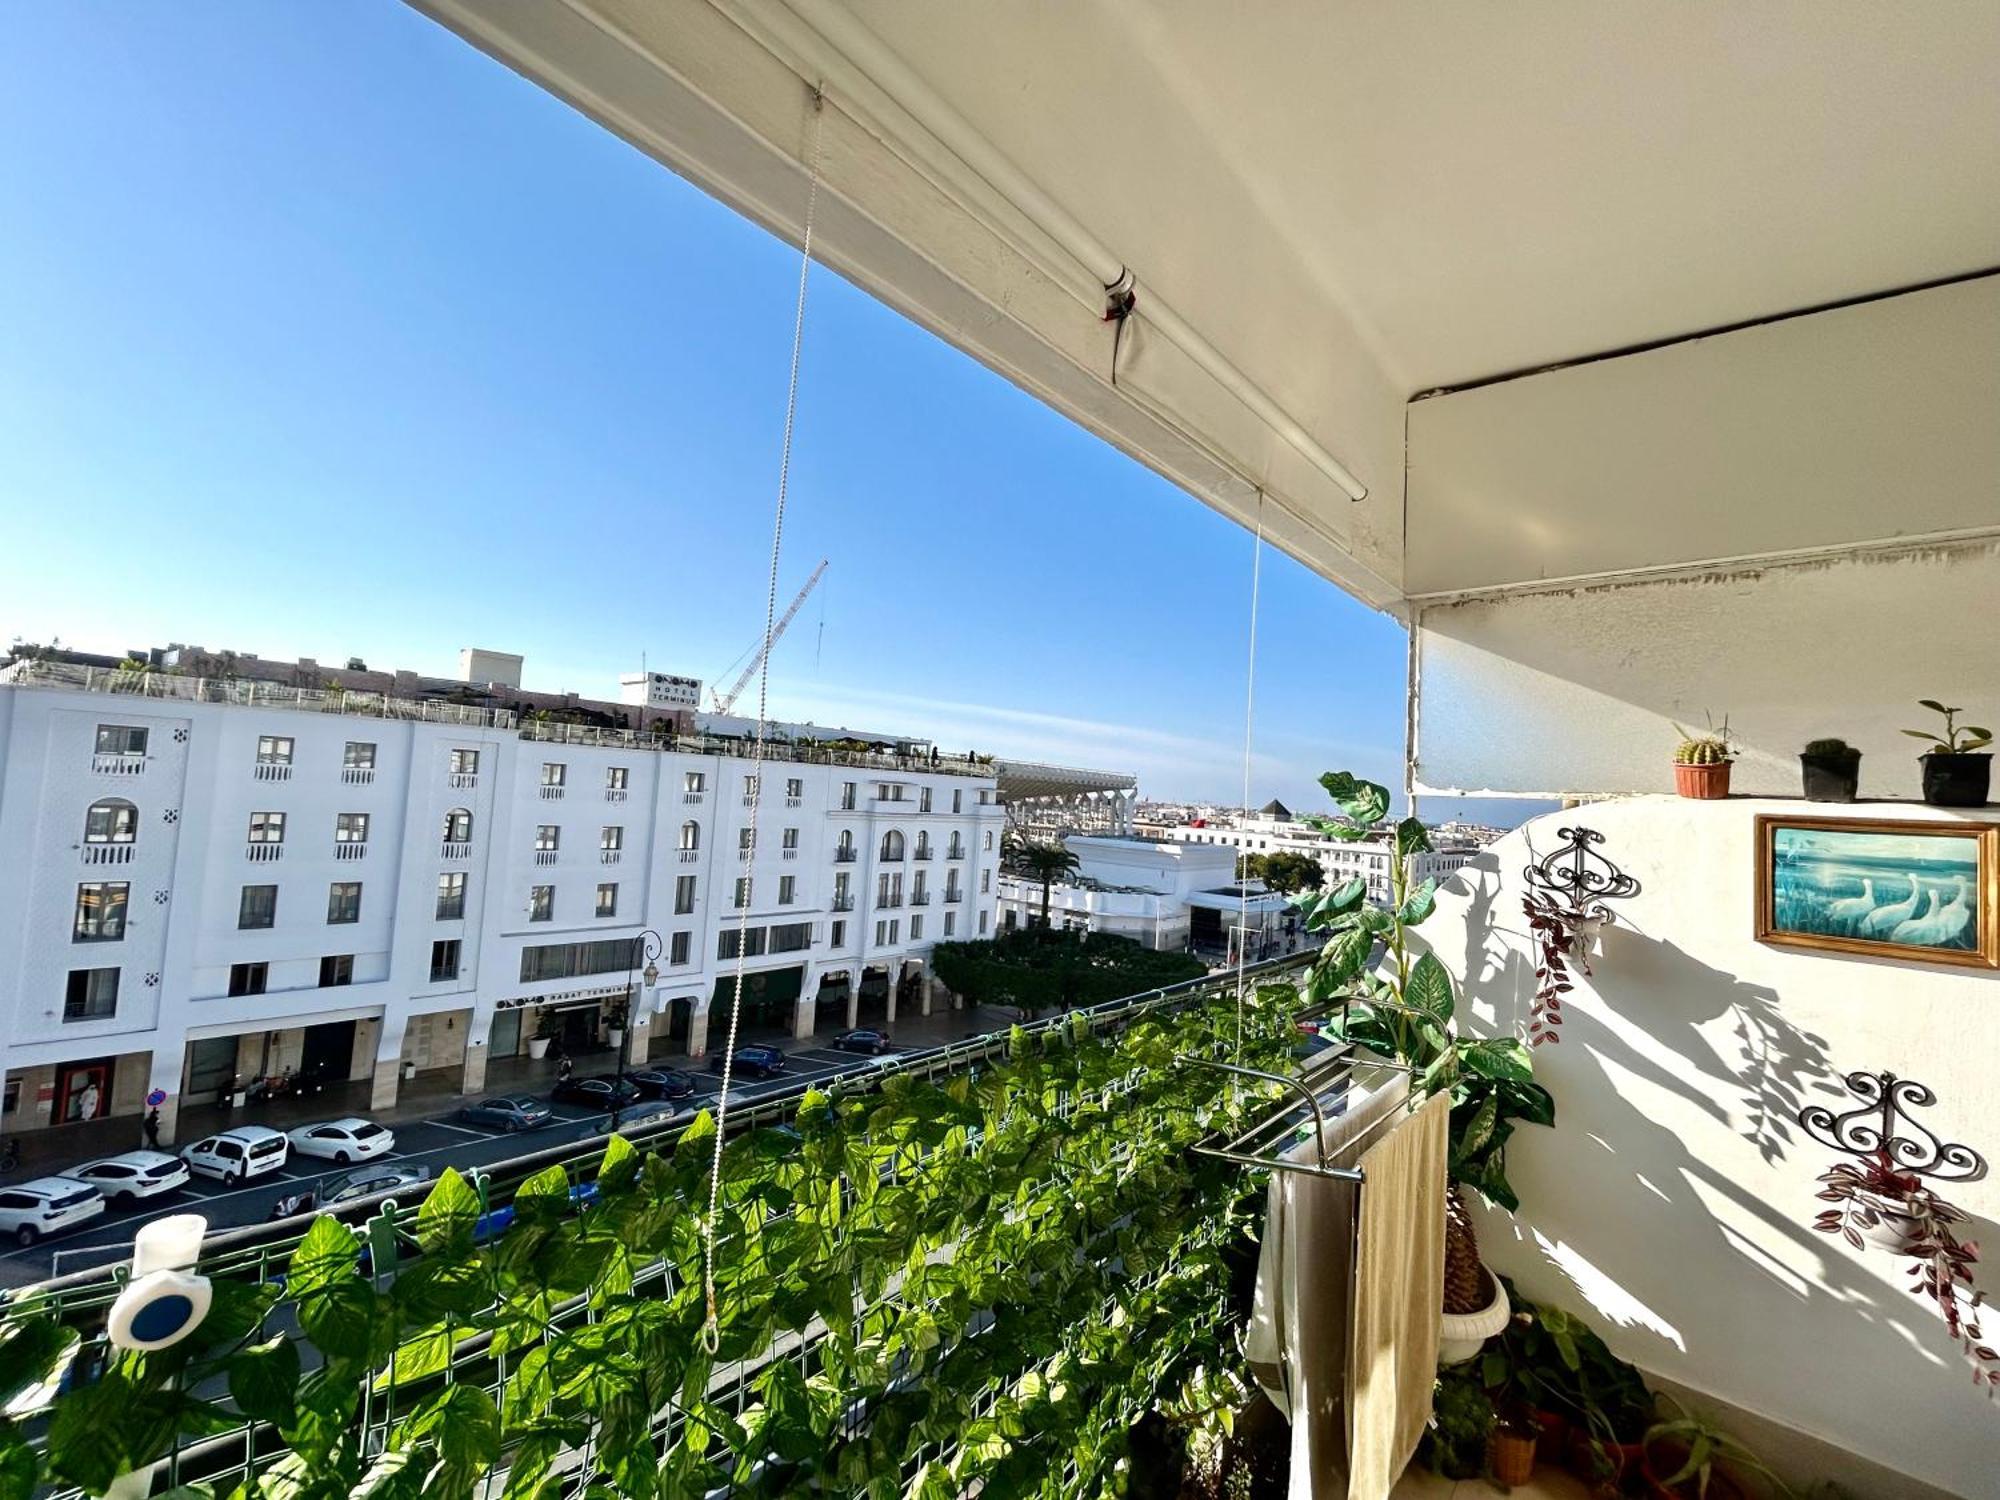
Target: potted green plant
column 614, row 1025
column 1831, row 770
column 547, row 1028
column 1679, row 1457
column 1702, row 762
column 1959, row 771
column 1461, row 1423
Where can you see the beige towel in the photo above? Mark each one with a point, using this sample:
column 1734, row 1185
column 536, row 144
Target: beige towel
column 1297, row 1341
column 1398, row 1294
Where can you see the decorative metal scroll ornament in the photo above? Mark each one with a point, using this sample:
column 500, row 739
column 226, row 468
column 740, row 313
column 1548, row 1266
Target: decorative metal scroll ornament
column 1877, row 1126
column 1579, row 878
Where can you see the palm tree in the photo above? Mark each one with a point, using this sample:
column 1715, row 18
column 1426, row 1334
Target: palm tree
column 1047, row 863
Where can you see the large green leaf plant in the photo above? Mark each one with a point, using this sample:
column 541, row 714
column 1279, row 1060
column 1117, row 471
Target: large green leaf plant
column 1400, row 1004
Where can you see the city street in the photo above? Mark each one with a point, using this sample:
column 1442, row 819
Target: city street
column 436, row 1142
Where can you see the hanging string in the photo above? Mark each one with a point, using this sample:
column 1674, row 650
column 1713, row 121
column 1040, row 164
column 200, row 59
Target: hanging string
column 1249, row 719
column 711, row 1328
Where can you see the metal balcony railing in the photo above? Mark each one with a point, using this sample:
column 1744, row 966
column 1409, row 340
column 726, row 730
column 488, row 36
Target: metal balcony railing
column 272, row 770
column 451, row 849
column 108, row 854
column 263, row 854
column 357, row 775
column 118, row 763
column 845, row 855
column 350, row 851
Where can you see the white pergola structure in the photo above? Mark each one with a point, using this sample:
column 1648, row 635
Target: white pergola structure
column 1645, row 363
column 1045, row 802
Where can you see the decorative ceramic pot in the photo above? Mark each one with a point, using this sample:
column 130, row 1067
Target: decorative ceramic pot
column 1462, row 1335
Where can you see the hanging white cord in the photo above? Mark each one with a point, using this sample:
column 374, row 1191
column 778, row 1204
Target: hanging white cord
column 711, row 1328
column 1249, row 719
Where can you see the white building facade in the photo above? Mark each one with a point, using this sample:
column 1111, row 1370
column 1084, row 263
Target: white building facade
column 1172, row 896
column 206, row 891
column 1273, row 830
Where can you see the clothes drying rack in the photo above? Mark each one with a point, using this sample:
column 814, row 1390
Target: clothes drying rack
column 1264, row 1144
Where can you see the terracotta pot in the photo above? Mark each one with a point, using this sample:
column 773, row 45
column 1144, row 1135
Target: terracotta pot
column 1702, row 783
column 1551, row 1435
column 1510, row 1454
column 1607, row 1462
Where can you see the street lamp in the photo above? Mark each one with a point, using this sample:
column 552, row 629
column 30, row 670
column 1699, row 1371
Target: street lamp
column 645, row 950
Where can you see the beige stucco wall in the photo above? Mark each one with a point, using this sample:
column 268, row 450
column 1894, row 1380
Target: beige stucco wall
column 1673, row 1202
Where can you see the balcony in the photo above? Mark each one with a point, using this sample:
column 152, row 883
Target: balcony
column 888, row 903
column 746, row 852
column 689, row 856
column 920, row 898
column 694, row 798
column 552, row 793
column 614, row 794
column 790, row 853
column 845, row 854
column 841, row 903
column 272, row 770
column 922, row 852
column 547, row 856
column 357, row 775
column 352, row 850
column 452, row 850
column 953, row 897
column 791, row 801
column 463, row 781
column 749, row 799
column 610, row 856
column 108, row 854
column 263, row 854
column 118, row 763
column 956, row 851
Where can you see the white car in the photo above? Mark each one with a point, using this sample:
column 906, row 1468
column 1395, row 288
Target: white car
column 29, row 1210
column 125, row 1179
column 343, row 1141
column 237, row 1155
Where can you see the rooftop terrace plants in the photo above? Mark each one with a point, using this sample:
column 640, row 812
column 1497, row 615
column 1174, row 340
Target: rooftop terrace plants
column 1402, row 1007
column 1958, row 769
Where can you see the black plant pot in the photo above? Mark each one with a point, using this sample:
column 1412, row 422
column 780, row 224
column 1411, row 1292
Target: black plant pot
column 1831, row 778
column 1959, row 780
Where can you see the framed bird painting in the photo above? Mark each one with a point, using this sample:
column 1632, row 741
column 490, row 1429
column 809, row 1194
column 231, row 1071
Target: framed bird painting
column 1920, row 892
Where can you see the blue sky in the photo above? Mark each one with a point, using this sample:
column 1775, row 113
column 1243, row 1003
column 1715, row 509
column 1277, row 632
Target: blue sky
column 322, row 334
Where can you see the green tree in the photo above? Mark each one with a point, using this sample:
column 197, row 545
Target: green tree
column 1289, row 871
column 1047, row 863
column 1039, row 970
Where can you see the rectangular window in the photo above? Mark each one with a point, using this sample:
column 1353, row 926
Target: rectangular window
column 607, row 900
column 451, row 898
column 795, row 788
column 335, row 969
column 730, row 939
column 950, row 922
column 746, row 840
column 749, row 786
column 683, row 895
column 791, row 937
column 573, row 960
column 542, row 904
column 742, row 897
column 982, row 924
column 248, row 979
column 791, row 841
column 358, row 756
column 120, row 739
column 895, row 930
column 274, row 750
column 985, row 882
column 612, row 839
column 923, row 799
column 837, row 934
column 100, row 911
column 881, row 932
column 554, row 773
column 548, row 837
column 694, row 781
column 92, row 995
column 787, row 886
column 257, row 906
column 350, row 828
column 444, row 960
column 465, row 762
column 616, row 778
column 679, row 947
column 847, row 796
column 916, row 928
column 957, row 799
column 267, row 828
column 343, row 901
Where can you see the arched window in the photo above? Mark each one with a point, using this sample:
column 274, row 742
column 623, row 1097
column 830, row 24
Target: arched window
column 458, row 826
column 989, row 838
column 957, row 850
column 846, row 845
column 892, row 845
column 112, row 821
column 690, row 835
column 923, row 845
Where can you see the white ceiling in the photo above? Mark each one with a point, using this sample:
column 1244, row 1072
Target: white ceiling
column 1328, row 208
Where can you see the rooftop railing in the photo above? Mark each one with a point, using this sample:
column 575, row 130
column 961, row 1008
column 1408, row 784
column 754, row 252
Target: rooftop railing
column 247, row 693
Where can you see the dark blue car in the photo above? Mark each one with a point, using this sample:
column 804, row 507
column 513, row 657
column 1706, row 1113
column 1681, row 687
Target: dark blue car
column 661, row 1083
column 753, row 1062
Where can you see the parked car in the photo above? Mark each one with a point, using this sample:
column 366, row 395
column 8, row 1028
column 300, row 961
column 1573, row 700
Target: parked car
column 864, row 1039
column 351, row 1187
column 30, row 1210
column 345, row 1140
column 238, row 1154
column 633, row 1117
column 127, row 1178
column 662, row 1083
column 602, row 1092
column 509, row 1112
column 752, row 1062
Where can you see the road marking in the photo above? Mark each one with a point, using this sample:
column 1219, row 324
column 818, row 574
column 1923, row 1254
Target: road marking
column 482, row 1135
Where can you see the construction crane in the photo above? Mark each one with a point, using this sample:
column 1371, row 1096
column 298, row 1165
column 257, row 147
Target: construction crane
column 725, row 701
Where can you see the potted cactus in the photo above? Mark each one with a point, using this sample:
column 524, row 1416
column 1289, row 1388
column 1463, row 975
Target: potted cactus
column 1702, row 762
column 1832, row 770
column 1959, row 770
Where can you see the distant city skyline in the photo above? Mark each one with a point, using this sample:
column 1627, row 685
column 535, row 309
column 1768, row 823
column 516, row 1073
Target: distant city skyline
column 343, row 339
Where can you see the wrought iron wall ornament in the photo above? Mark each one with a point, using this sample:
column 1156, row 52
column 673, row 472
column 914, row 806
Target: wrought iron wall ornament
column 1578, row 878
column 1876, row 1128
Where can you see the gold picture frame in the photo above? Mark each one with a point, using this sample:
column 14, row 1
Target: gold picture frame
column 1914, row 892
